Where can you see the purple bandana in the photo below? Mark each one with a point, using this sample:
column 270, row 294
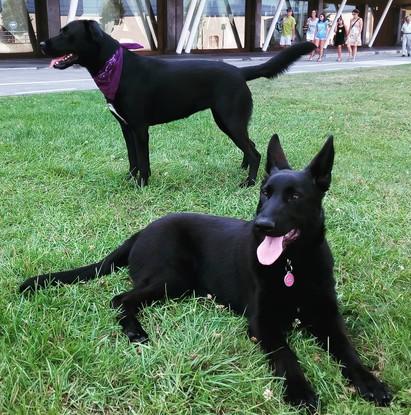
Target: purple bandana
column 108, row 77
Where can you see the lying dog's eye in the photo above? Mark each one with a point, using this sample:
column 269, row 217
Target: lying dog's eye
column 265, row 192
column 294, row 196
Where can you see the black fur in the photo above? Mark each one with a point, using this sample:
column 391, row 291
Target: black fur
column 154, row 91
column 184, row 253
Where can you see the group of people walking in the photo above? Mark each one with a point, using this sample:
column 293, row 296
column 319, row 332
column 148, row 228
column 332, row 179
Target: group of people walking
column 318, row 30
column 318, row 27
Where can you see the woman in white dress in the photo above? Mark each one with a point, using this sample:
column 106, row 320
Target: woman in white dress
column 354, row 34
column 311, row 27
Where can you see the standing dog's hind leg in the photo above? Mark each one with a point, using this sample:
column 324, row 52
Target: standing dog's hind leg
column 236, row 129
column 244, row 163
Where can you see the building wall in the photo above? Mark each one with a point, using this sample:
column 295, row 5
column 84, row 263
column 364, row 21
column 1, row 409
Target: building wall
column 388, row 32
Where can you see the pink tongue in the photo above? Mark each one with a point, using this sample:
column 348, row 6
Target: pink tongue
column 270, row 249
column 54, row 60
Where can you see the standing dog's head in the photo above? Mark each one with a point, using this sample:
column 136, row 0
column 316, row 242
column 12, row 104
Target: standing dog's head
column 289, row 208
column 78, row 42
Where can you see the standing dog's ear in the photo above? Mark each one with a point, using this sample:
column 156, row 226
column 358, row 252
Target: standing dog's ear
column 275, row 156
column 96, row 33
column 322, row 164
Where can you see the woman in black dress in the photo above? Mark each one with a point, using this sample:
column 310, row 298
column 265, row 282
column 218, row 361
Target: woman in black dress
column 340, row 34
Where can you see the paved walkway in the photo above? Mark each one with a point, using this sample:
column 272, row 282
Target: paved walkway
column 33, row 76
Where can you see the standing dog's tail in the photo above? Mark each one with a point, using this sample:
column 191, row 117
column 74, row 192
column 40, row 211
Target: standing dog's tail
column 117, row 259
column 279, row 63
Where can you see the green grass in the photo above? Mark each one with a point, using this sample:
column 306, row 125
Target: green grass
column 64, row 202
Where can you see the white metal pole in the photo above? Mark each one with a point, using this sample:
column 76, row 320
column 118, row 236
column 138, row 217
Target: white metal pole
column 72, row 10
column 272, row 27
column 194, row 27
column 185, row 32
column 377, row 29
column 331, row 31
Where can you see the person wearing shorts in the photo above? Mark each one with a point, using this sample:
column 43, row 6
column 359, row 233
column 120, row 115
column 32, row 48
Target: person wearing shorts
column 288, row 30
column 311, row 28
column 354, row 34
column 321, row 35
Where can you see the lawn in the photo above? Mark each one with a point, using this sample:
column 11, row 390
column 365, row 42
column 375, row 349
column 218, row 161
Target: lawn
column 64, row 202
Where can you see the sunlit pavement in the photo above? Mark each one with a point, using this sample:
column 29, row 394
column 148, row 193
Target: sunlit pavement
column 34, row 77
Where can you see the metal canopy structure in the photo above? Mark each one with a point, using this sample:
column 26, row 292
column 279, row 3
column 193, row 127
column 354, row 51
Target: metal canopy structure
column 377, row 29
column 179, row 26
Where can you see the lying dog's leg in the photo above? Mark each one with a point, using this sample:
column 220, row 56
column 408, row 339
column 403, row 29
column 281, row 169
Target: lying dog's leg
column 131, row 149
column 325, row 322
column 284, row 363
column 131, row 302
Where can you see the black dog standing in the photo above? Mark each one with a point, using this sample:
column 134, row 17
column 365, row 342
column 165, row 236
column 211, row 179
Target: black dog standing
column 273, row 269
column 145, row 91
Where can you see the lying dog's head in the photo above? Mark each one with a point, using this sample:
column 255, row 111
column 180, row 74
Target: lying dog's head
column 78, row 42
column 289, row 208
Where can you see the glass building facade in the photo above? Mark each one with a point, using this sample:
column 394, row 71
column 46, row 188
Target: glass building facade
column 164, row 26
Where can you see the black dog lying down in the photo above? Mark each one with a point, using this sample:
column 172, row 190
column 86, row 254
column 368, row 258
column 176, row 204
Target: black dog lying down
column 273, row 269
column 145, row 91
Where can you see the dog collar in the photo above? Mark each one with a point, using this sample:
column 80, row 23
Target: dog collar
column 108, row 77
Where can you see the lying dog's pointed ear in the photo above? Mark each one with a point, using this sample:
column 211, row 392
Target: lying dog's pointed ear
column 322, row 164
column 96, row 33
column 275, row 156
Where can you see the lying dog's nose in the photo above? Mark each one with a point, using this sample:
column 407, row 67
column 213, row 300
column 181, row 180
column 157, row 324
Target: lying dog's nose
column 42, row 46
column 264, row 224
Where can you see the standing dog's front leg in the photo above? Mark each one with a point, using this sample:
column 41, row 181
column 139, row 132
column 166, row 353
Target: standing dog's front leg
column 143, row 157
column 284, row 363
column 325, row 322
column 130, row 139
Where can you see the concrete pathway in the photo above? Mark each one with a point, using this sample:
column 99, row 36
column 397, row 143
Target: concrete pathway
column 24, row 77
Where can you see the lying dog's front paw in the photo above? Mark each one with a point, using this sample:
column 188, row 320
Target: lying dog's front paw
column 371, row 389
column 28, row 286
column 137, row 336
column 117, row 301
column 301, row 394
column 244, row 164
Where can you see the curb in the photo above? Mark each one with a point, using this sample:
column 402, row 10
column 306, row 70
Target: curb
column 34, row 63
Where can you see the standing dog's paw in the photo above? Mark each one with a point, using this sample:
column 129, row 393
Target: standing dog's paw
column 301, row 394
column 247, row 182
column 371, row 389
column 131, row 176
